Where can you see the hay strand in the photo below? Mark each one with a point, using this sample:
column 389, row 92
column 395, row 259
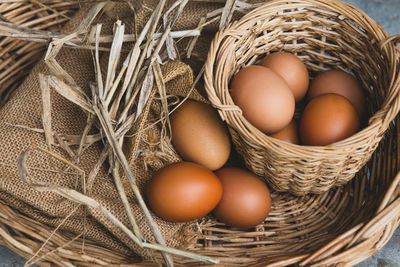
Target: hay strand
column 46, row 113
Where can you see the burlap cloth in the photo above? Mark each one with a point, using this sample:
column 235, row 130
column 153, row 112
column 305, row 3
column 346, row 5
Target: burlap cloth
column 25, row 109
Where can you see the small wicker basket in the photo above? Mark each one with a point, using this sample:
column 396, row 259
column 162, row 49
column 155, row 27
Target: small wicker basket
column 325, row 34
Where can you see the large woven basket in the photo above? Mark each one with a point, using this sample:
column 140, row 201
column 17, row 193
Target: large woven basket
column 341, row 227
column 325, row 35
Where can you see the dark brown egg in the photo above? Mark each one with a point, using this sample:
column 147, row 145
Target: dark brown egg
column 264, row 97
column 327, row 119
column 183, row 192
column 291, row 69
column 199, row 135
column 341, row 83
column 289, row 134
column 246, row 200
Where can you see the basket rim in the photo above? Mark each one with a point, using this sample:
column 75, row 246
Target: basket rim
column 229, row 112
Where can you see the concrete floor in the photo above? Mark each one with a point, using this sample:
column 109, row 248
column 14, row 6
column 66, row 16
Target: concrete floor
column 387, row 13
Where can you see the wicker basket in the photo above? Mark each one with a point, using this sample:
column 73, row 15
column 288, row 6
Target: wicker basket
column 18, row 56
column 341, row 227
column 325, row 35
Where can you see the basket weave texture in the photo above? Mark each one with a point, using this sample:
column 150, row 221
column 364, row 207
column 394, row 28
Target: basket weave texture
column 325, row 35
column 18, row 56
column 340, row 227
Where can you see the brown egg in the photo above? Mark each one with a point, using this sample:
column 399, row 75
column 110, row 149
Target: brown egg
column 341, row 83
column 264, row 97
column 183, row 192
column 291, row 69
column 289, row 134
column 199, row 135
column 327, row 119
column 246, row 200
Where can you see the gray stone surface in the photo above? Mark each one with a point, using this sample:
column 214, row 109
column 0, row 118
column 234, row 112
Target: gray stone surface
column 9, row 258
column 387, row 13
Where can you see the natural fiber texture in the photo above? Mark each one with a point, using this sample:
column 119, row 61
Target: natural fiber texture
column 343, row 226
column 18, row 57
column 325, row 35
column 24, row 109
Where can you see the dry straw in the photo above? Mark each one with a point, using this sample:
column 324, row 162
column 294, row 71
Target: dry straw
column 105, row 106
column 342, row 226
column 325, row 35
column 17, row 56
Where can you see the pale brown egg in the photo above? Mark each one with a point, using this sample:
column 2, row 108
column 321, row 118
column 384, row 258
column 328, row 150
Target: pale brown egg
column 327, row 119
column 288, row 134
column 264, row 97
column 341, row 83
column 183, row 192
column 199, row 135
column 246, row 200
column 291, row 69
